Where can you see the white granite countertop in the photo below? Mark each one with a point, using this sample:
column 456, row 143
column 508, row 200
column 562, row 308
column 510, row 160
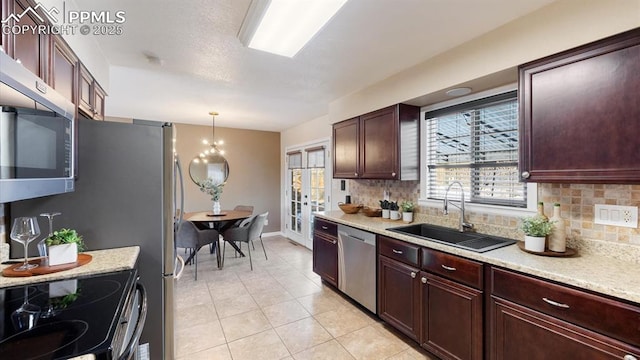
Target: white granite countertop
column 599, row 273
column 103, row 261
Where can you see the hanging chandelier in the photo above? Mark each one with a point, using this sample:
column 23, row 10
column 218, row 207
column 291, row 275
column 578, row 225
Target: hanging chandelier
column 213, row 145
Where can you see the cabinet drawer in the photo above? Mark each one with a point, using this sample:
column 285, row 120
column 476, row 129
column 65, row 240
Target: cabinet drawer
column 610, row 317
column 325, row 227
column 399, row 250
column 453, row 267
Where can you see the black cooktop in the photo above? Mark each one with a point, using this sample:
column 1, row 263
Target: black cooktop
column 62, row 319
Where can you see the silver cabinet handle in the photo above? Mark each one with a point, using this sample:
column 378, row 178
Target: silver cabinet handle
column 424, row 280
column 448, row 268
column 413, row 274
column 396, row 251
column 334, row 242
column 356, row 174
column 629, row 357
column 393, row 174
column 554, row 303
column 324, row 227
column 525, row 175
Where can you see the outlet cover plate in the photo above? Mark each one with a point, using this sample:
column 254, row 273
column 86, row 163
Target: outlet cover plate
column 616, row 215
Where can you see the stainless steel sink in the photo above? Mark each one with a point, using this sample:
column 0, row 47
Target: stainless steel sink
column 465, row 240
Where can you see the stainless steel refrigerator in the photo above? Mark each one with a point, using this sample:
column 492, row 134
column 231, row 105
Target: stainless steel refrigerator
column 125, row 195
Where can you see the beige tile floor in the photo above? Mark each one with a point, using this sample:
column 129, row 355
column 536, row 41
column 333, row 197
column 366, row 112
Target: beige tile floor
column 280, row 310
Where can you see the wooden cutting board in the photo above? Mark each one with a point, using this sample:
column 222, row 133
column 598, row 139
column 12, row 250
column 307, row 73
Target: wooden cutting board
column 43, row 268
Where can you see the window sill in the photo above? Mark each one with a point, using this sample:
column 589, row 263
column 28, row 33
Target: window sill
column 482, row 208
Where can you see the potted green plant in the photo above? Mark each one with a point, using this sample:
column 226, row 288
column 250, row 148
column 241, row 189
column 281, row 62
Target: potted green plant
column 536, row 230
column 394, row 213
column 63, row 246
column 407, row 211
column 214, row 190
column 384, row 205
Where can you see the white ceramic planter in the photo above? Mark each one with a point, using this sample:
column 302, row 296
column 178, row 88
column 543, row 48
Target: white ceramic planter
column 534, row 243
column 385, row 213
column 394, row 215
column 63, row 254
column 407, row 217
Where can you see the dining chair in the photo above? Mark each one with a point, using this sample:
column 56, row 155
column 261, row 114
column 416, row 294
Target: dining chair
column 237, row 223
column 243, row 208
column 192, row 238
column 250, row 229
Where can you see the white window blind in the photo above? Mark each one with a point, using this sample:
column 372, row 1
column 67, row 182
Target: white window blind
column 476, row 143
column 294, row 160
column 315, row 157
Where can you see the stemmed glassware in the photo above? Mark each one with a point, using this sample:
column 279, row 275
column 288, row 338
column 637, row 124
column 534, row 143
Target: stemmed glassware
column 24, row 231
column 26, row 316
column 42, row 246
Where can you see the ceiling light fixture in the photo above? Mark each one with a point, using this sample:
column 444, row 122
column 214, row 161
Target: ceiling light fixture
column 458, row 91
column 213, row 145
column 283, row 27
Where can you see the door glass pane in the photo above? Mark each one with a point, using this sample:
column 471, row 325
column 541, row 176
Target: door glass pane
column 295, row 209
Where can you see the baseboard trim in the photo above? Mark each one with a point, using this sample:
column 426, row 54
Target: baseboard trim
column 269, row 234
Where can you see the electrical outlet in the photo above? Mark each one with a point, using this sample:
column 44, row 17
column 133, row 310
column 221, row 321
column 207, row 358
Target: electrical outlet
column 266, row 222
column 616, row 215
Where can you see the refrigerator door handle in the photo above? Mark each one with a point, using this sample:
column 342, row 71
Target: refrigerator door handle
column 178, row 274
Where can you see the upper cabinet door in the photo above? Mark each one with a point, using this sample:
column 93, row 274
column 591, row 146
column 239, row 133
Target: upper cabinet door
column 346, row 141
column 579, row 114
column 379, row 144
column 63, row 69
column 383, row 144
column 30, row 48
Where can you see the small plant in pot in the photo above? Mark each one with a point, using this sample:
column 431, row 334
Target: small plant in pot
column 63, row 246
column 407, row 211
column 394, row 210
column 384, row 205
column 536, row 229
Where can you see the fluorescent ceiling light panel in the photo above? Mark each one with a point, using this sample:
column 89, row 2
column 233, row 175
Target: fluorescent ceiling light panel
column 283, row 27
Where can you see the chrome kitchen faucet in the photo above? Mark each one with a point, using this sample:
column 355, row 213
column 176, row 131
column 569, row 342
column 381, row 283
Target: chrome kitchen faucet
column 463, row 225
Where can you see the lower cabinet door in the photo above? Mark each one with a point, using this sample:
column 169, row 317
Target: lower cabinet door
column 452, row 318
column 325, row 258
column 523, row 333
column 399, row 296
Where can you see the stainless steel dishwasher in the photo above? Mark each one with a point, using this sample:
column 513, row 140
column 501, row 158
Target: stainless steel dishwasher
column 357, row 265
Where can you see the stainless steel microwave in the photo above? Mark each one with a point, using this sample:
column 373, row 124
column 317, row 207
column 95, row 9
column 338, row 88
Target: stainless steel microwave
column 37, row 150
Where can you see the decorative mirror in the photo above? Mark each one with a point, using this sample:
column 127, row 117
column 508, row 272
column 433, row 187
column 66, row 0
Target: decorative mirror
column 212, row 165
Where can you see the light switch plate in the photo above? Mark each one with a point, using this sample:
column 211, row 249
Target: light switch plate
column 616, row 215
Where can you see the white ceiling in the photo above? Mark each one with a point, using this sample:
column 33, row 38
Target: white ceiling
column 205, row 67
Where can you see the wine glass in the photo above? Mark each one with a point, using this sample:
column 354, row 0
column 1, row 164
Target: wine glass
column 24, row 231
column 26, row 316
column 42, row 246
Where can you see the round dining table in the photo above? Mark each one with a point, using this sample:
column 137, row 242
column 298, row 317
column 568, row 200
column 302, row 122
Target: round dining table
column 220, row 222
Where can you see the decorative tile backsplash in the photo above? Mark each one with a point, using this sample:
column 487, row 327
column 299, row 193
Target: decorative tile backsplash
column 577, row 207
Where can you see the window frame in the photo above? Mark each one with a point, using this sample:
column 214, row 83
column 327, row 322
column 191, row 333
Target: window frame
column 532, row 189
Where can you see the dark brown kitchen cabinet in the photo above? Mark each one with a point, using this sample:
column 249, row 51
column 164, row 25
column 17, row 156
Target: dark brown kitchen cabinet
column 90, row 95
column 452, row 305
column 325, row 250
column 64, row 65
column 30, row 48
column 452, row 318
column 346, row 142
column 399, row 296
column 383, row 144
column 579, row 111
column 537, row 319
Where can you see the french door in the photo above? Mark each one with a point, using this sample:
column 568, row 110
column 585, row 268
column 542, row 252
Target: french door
column 308, row 189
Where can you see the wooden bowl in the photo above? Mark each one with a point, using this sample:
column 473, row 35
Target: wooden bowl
column 350, row 208
column 372, row 212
